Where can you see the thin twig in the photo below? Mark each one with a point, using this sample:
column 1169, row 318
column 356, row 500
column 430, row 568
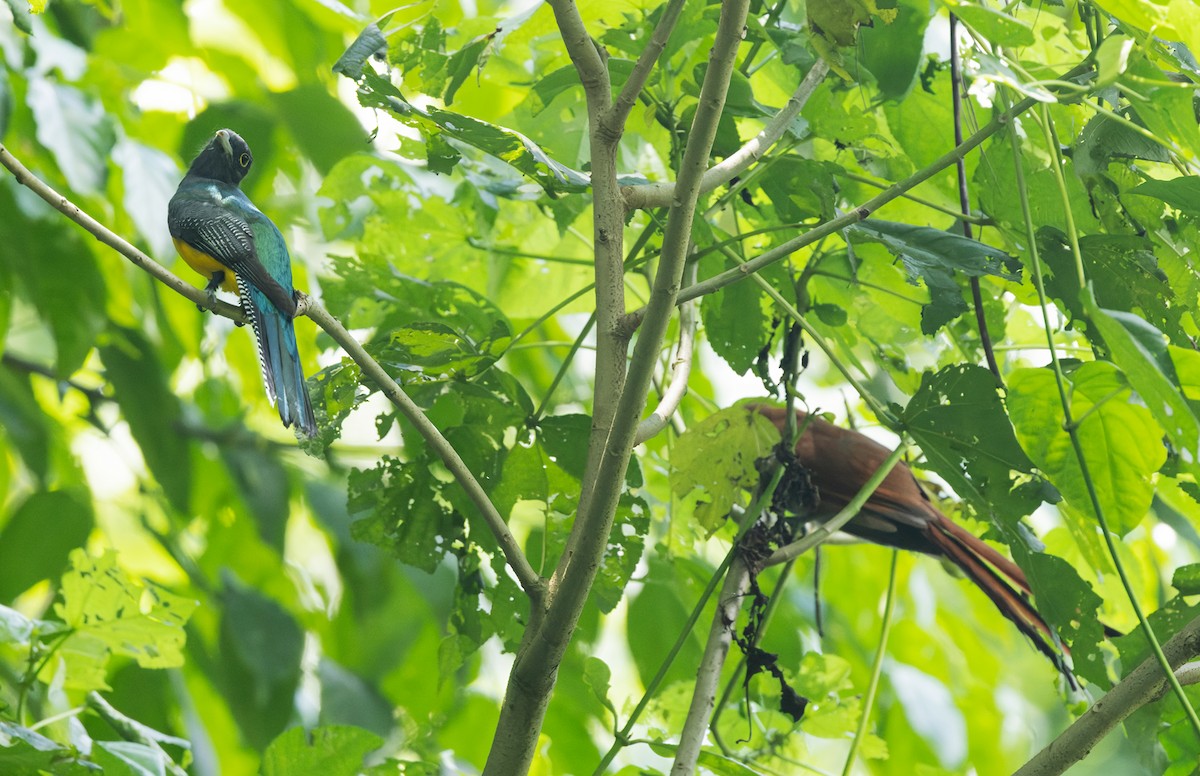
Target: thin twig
column 681, row 370
column 625, row 101
column 663, row 194
column 964, row 198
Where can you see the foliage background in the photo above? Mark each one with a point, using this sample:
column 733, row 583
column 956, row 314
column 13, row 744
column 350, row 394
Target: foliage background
column 344, row 590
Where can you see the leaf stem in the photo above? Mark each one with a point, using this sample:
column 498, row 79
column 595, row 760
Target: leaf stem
column 1064, row 397
column 876, row 667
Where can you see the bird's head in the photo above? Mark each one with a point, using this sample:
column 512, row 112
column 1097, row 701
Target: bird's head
column 226, row 158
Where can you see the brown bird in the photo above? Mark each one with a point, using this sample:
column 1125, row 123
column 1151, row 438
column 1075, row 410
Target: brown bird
column 899, row 514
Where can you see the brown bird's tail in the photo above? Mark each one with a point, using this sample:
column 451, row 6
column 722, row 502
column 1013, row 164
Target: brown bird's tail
column 980, row 562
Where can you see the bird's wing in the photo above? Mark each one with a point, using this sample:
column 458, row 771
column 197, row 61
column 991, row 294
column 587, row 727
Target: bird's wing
column 223, row 229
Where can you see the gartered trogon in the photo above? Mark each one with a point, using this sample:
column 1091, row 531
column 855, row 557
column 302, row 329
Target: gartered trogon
column 223, row 236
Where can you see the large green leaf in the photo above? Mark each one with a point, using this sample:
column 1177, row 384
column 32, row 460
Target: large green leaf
column 1120, row 442
column 714, row 463
column 958, row 420
column 504, row 144
column 261, row 646
column 1141, row 352
column 152, row 410
column 108, row 615
column 331, row 749
column 936, row 257
column 38, row 537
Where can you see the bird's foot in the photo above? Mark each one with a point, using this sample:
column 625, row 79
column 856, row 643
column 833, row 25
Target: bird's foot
column 210, row 290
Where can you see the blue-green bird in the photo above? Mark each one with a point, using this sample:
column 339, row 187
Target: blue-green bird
column 221, row 234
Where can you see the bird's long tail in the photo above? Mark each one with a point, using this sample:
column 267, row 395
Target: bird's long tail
column 981, row 564
column 280, row 359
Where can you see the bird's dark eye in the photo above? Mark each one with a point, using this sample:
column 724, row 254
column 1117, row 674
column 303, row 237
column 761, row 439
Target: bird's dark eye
column 245, row 160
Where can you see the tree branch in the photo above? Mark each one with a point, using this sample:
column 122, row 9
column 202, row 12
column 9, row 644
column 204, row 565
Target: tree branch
column 614, row 423
column 535, row 669
column 645, row 64
column 592, row 69
column 530, row 581
column 1142, row 685
column 661, row 194
column 681, row 370
column 716, row 649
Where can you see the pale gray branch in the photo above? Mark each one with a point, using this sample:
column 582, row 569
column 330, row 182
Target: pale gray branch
column 644, row 65
column 681, row 371
column 716, row 649
column 1142, row 685
column 592, row 69
column 647, row 195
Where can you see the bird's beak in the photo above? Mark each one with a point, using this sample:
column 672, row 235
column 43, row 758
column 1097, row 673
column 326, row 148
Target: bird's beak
column 223, row 139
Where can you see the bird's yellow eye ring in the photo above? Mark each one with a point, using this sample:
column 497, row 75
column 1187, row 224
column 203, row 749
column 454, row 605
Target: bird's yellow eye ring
column 244, row 159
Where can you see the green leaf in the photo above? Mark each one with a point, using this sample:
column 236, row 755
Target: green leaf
column 464, row 61
column 23, row 423
column 1141, row 352
column 127, row 758
column 661, row 602
column 1104, row 141
column 507, row 145
column 1071, row 606
column 6, row 103
column 736, row 325
column 557, row 82
column 24, row 752
column 801, row 189
column 333, row 750
column 404, row 512
column 261, row 647
column 148, row 178
column 325, row 142
column 996, row 26
column 110, row 615
column 714, row 462
column 936, row 256
column 152, row 410
column 1186, row 579
column 15, row 628
column 1181, row 193
column 893, row 52
column 369, row 43
column 68, row 291
column 597, row 676
column 959, row 422
column 1112, row 58
column 1121, row 442
column 1123, row 272
column 21, row 16
column 262, row 480
column 36, row 541
column 76, row 129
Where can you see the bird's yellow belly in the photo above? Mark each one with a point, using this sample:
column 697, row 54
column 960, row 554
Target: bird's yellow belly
column 206, row 265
